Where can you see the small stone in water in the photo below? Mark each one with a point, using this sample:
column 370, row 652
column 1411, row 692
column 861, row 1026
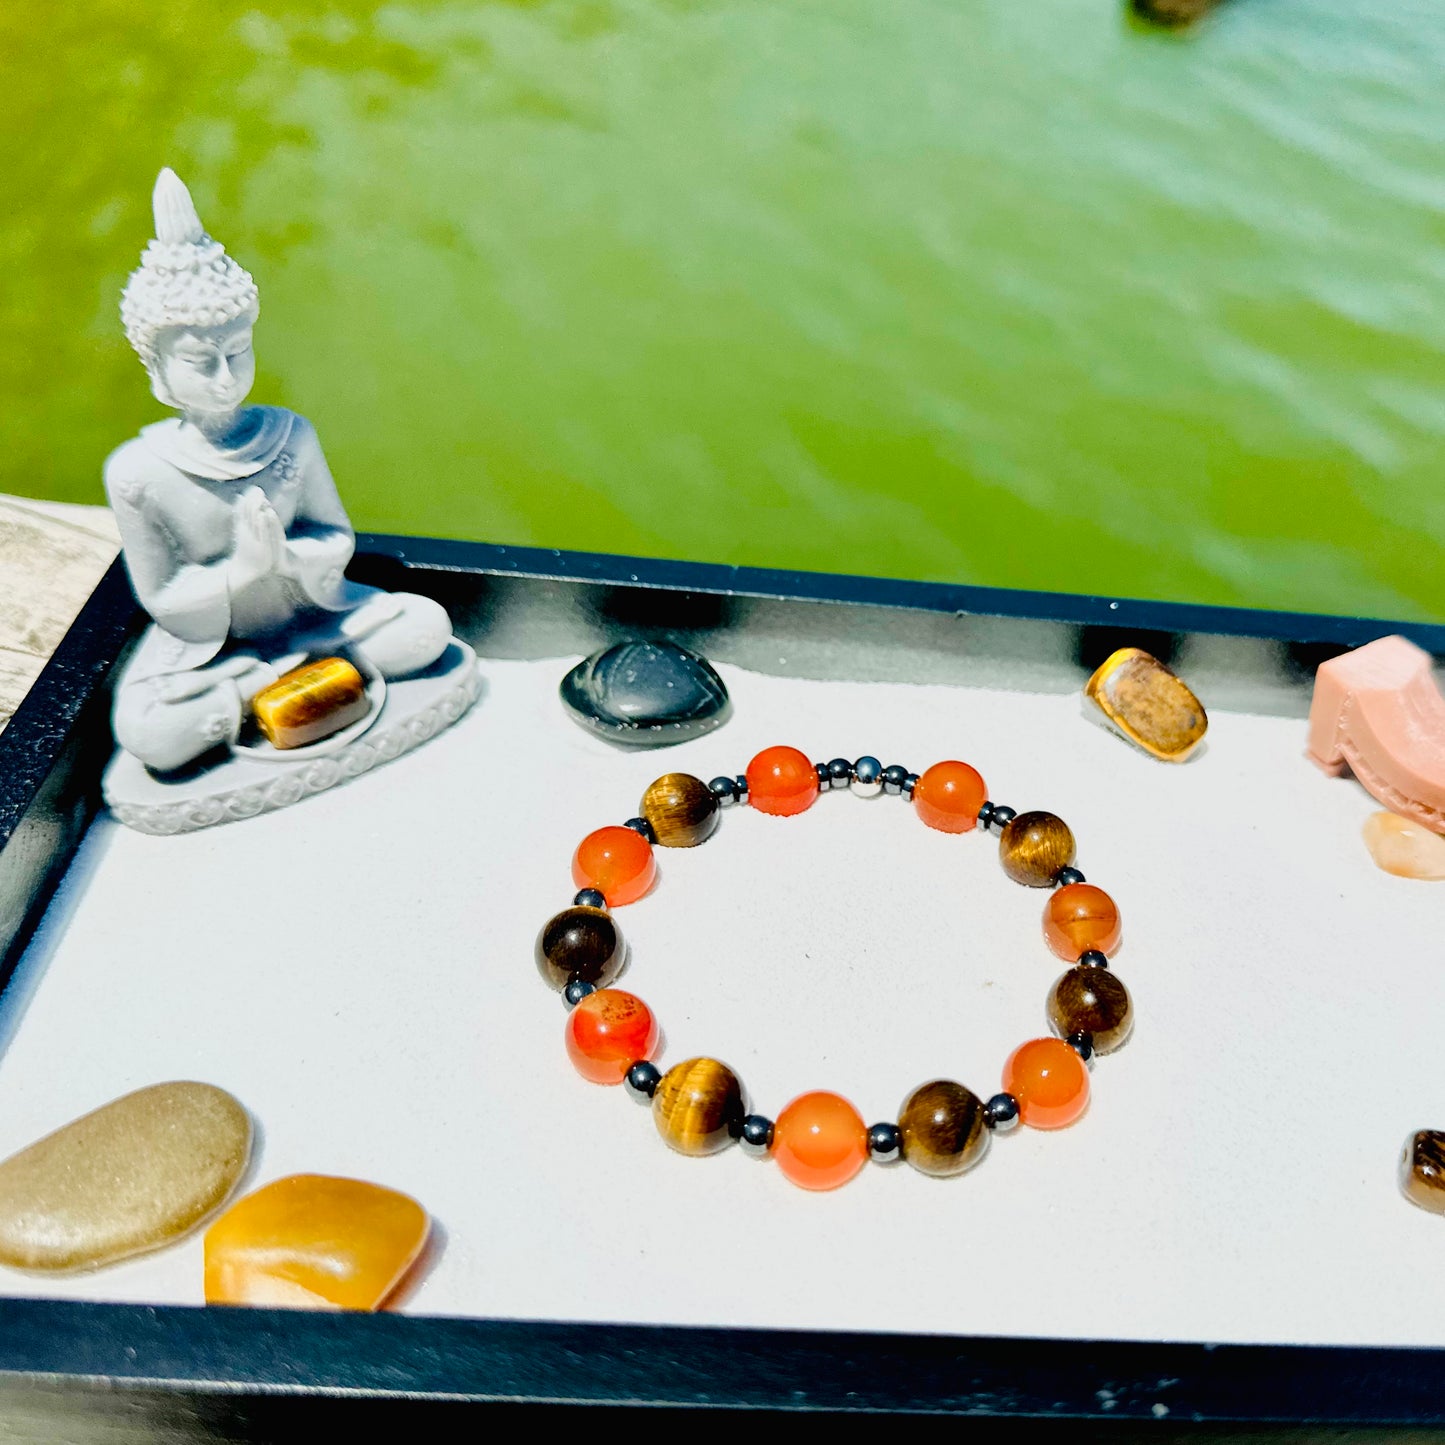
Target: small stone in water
column 645, row 694
column 128, row 1177
column 311, row 1241
column 1403, row 847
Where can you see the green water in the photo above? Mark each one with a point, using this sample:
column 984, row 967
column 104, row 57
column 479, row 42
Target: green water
column 1000, row 291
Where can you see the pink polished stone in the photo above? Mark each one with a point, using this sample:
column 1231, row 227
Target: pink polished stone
column 1377, row 711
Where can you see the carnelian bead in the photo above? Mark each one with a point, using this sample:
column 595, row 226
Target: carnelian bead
column 782, row 781
column 617, row 862
column 1079, row 917
column 1049, row 1080
column 820, row 1141
column 607, row 1033
column 948, row 797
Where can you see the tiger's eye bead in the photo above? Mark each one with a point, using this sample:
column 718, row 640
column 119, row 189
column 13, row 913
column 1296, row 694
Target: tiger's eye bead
column 617, row 862
column 698, row 1106
column 1092, row 1001
column 944, row 1128
column 607, row 1033
column 681, row 809
column 782, row 781
column 948, row 797
column 1422, row 1170
column 820, row 1141
column 1033, row 847
column 1050, row 1082
column 581, row 943
column 1078, row 918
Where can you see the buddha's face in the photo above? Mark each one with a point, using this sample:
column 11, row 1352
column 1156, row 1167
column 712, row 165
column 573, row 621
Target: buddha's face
column 206, row 371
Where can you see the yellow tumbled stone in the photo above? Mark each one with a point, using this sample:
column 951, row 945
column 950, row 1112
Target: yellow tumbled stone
column 1404, row 847
column 310, row 703
column 311, row 1241
column 129, row 1177
column 1148, row 704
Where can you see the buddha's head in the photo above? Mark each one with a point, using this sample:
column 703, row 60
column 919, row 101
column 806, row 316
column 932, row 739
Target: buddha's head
column 188, row 311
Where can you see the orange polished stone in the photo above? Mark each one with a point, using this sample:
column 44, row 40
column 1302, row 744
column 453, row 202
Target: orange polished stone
column 782, row 781
column 314, row 1242
column 1050, row 1081
column 617, row 862
column 820, row 1141
column 948, row 797
column 607, row 1033
column 1079, row 917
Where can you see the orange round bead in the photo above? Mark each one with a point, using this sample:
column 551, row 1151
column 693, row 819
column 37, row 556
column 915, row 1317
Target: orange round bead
column 1050, row 1081
column 617, row 862
column 1079, row 917
column 782, row 781
column 607, row 1033
column 948, row 797
column 820, row 1141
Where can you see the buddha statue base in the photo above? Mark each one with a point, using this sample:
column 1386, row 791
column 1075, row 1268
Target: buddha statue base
column 246, row 782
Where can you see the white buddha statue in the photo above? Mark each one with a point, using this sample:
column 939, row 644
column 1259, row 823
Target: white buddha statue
column 233, row 534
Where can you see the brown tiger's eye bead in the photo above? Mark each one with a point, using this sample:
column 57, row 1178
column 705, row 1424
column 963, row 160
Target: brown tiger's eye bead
column 943, row 1127
column 1090, row 1000
column 1422, row 1170
column 580, row 943
column 1033, row 847
column 1079, row 917
column 682, row 810
column 698, row 1106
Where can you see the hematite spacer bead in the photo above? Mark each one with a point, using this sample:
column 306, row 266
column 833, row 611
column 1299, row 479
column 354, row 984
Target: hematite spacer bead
column 985, row 815
column 589, row 898
column 1082, row 1044
column 740, row 787
column 576, row 990
column 642, row 1080
column 642, row 827
column 840, row 772
column 867, row 778
column 1001, row 1113
column 885, row 1143
column 1066, row 876
column 909, row 783
column 1002, row 816
column 757, row 1136
column 825, row 778
column 724, row 790
column 894, row 776
column 1093, row 959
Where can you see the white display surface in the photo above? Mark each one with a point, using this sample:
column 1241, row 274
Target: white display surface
column 358, row 970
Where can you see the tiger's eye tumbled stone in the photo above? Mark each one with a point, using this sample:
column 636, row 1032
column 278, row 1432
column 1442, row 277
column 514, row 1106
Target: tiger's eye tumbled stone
column 607, row 1033
column 310, row 703
column 314, row 1242
column 1089, row 1000
column 820, row 1141
column 782, row 781
column 128, row 1177
column 580, row 942
column 1404, row 847
column 1422, row 1170
column 682, row 810
column 1050, row 1082
column 698, row 1106
column 1033, row 847
column 1079, row 917
column 944, row 1129
column 617, row 862
column 948, row 797
column 1148, row 704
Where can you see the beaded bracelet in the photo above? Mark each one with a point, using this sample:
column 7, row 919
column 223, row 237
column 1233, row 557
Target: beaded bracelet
column 820, row 1140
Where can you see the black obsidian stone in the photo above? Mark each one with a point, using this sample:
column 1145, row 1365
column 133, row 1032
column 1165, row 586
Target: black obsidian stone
column 646, row 694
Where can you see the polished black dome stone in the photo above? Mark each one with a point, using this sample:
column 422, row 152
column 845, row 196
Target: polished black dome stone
column 645, row 694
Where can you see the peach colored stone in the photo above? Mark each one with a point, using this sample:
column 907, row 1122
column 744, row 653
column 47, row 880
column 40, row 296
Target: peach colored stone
column 1377, row 711
column 1402, row 847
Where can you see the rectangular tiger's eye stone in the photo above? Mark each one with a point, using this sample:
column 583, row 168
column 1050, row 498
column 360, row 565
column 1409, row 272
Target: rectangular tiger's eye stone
column 1148, row 704
column 311, row 703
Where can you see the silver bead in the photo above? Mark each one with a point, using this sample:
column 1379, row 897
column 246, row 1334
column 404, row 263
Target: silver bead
column 1002, row 816
column 894, row 776
column 590, row 898
column 1082, row 1044
column 1093, row 959
column 576, row 991
column 885, row 1143
column 1067, row 876
column 757, row 1136
column 723, row 790
column 642, row 1079
column 1001, row 1113
column 840, row 772
column 867, row 778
